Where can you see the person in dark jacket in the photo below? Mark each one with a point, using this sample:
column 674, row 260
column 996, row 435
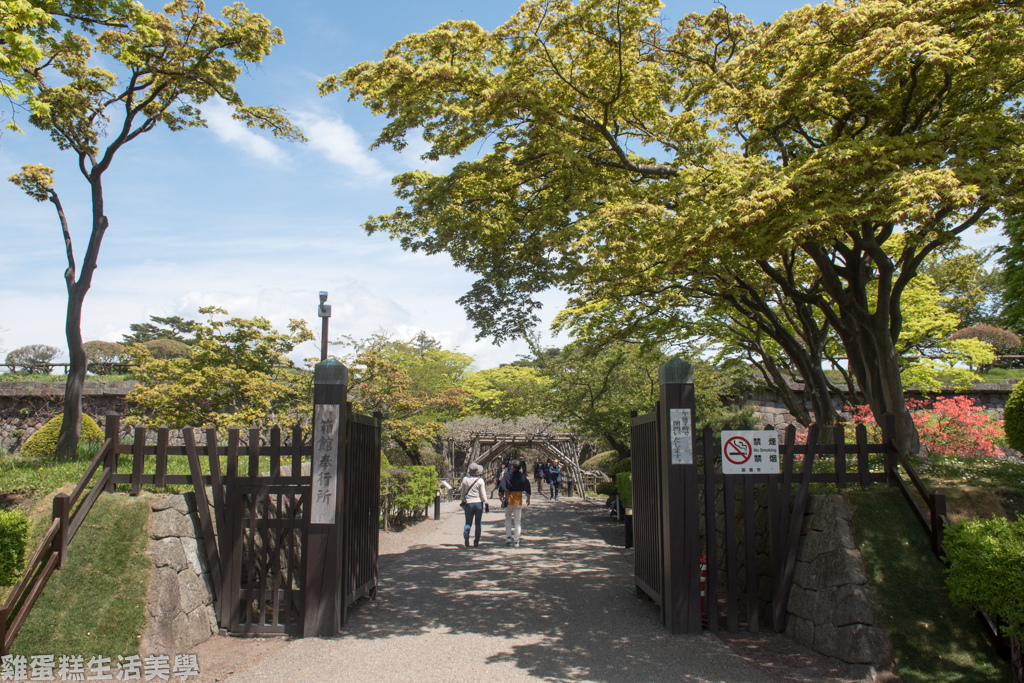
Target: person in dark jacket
column 515, row 486
column 555, row 478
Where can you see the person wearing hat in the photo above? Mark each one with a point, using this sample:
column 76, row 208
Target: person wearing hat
column 515, row 485
column 474, row 494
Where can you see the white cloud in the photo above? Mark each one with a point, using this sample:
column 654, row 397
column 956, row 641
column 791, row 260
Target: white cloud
column 218, row 118
column 341, row 144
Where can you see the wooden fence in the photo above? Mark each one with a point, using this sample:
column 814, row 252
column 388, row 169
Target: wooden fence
column 359, row 561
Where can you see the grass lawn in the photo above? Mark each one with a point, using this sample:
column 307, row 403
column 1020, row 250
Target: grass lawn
column 932, row 640
column 96, row 604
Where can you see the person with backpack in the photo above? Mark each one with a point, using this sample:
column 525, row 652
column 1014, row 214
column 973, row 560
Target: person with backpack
column 473, row 493
column 555, row 479
column 515, row 486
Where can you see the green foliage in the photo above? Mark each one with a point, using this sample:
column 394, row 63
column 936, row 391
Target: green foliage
column 624, row 465
column 624, row 486
column 1011, row 259
column 415, row 385
column 419, row 491
column 507, row 392
column 1013, row 417
column 970, row 290
column 1003, row 341
column 174, row 328
column 104, row 357
column 986, row 559
column 384, row 463
column 606, row 488
column 601, row 461
column 166, row 349
column 236, row 374
column 43, row 442
column 13, row 537
column 34, row 358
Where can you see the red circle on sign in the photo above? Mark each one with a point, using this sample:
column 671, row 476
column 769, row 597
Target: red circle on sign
column 737, row 450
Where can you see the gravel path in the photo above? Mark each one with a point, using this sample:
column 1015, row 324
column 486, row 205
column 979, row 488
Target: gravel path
column 557, row 608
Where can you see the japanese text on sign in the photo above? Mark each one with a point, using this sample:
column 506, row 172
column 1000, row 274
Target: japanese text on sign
column 680, row 436
column 326, row 427
column 750, row 452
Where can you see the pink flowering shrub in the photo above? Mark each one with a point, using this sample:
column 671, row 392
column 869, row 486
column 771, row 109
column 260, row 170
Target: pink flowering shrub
column 954, row 426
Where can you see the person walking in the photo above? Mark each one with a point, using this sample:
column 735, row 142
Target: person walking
column 538, row 475
column 515, row 485
column 555, row 479
column 473, row 493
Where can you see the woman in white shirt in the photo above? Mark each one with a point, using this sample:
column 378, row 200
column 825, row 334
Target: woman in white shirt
column 473, row 493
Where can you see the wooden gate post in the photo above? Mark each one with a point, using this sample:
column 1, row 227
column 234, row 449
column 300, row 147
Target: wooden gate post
column 679, row 501
column 322, row 586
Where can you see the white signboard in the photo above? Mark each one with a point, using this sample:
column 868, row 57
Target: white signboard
column 750, row 452
column 327, row 425
column 680, row 436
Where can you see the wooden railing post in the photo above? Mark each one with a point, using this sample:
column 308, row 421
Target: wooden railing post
column 62, row 511
column 112, row 434
column 938, row 508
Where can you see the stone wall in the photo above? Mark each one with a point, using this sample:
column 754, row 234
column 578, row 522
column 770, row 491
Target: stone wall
column 832, row 608
column 769, row 408
column 27, row 406
column 180, row 611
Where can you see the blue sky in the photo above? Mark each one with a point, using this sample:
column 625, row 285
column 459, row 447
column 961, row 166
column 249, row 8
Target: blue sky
column 228, row 217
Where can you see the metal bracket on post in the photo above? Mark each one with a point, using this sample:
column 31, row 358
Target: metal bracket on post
column 324, row 563
column 680, row 531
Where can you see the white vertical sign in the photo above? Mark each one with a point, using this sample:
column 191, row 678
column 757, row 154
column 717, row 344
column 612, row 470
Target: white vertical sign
column 324, row 467
column 680, row 436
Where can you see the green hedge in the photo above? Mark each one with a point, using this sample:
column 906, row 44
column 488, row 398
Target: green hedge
column 606, row 488
column 406, row 489
column 1013, row 418
column 624, row 485
column 624, row 465
column 601, row 461
column 13, row 537
column 986, row 559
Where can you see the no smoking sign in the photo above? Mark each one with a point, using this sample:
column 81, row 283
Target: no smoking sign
column 750, row 452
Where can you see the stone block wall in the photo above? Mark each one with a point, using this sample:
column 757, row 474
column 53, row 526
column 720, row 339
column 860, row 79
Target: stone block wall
column 832, row 608
column 180, row 610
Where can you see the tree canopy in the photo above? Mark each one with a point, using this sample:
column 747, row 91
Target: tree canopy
column 627, row 160
column 101, row 74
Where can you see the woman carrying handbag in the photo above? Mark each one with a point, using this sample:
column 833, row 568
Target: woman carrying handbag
column 474, row 495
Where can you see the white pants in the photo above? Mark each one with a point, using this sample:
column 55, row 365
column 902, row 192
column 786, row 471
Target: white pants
column 513, row 514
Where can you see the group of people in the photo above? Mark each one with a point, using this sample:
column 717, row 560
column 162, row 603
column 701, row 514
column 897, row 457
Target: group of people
column 550, row 473
column 514, row 490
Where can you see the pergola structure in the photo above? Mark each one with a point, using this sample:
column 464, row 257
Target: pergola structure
column 489, row 448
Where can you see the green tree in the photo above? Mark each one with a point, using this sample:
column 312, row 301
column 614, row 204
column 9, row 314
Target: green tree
column 507, row 392
column 103, row 356
column 1011, row 258
column 619, row 147
column 35, row 359
column 415, row 385
column 168, row 65
column 972, row 290
column 236, row 375
column 173, row 327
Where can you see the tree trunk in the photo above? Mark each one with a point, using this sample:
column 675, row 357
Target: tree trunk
column 1016, row 661
column 71, row 424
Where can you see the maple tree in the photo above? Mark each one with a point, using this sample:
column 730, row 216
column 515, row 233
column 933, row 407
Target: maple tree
column 168, row 64
column 624, row 159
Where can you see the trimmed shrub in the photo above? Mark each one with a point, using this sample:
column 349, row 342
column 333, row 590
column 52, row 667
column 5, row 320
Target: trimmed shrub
column 601, row 461
column 43, row 444
column 167, row 349
column 624, row 465
column 1013, row 418
column 624, row 484
column 1003, row 341
column 419, row 490
column 606, row 488
column 13, row 537
column 35, row 359
column 103, row 356
column 384, row 462
column 986, row 556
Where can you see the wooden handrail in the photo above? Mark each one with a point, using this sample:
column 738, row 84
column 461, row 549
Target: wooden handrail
column 90, row 471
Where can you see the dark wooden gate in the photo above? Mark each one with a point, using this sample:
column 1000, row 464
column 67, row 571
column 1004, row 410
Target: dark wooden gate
column 718, row 551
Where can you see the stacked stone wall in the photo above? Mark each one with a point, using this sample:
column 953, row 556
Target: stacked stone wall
column 832, row 608
column 180, row 609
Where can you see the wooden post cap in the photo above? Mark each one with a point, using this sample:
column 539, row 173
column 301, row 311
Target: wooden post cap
column 330, row 371
column 675, row 371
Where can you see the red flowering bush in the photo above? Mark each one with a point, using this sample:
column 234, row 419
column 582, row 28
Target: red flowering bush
column 954, row 426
